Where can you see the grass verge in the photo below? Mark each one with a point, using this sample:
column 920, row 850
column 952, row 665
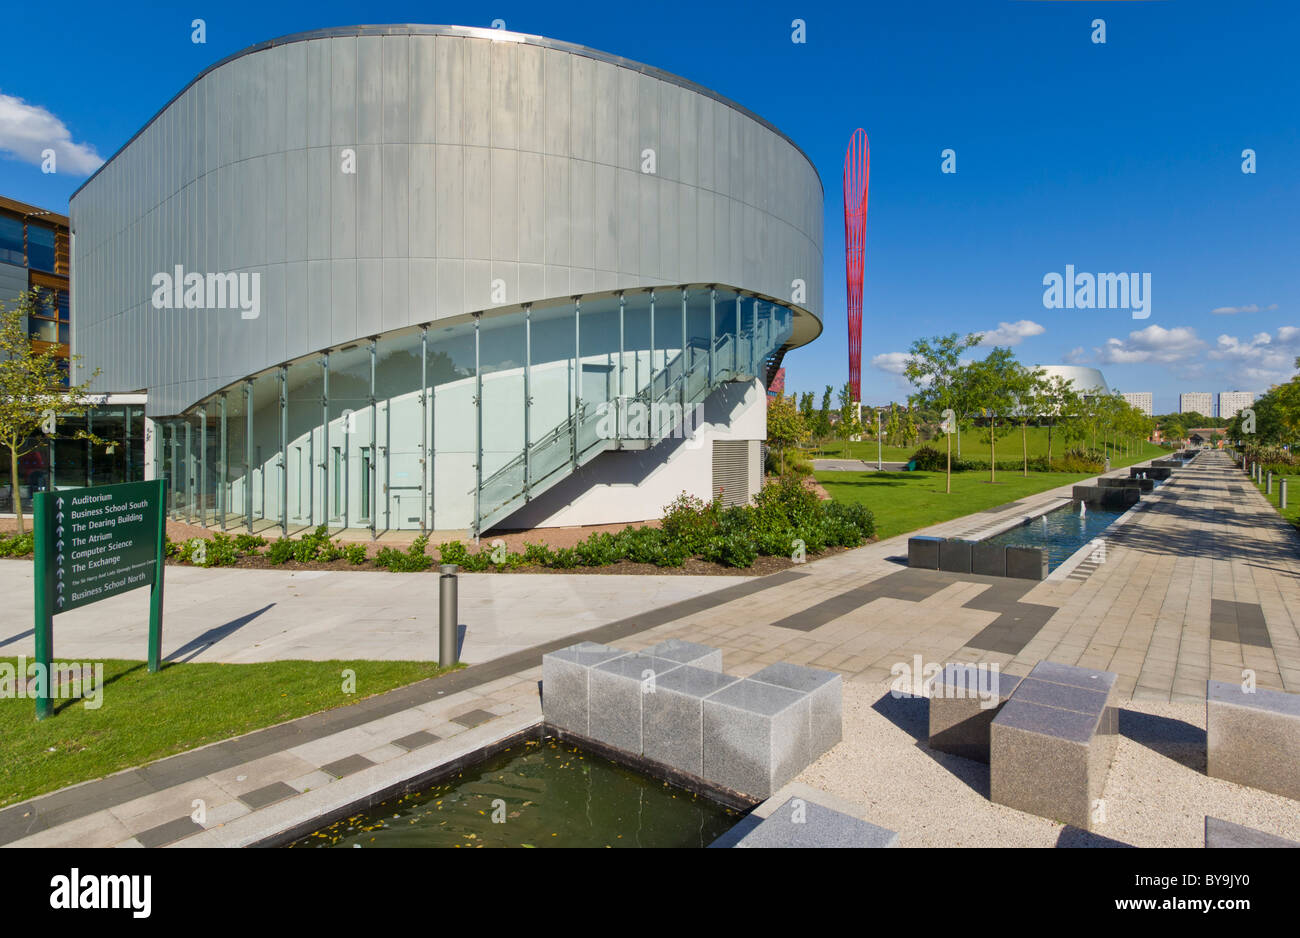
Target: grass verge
column 1292, row 512
column 907, row 501
column 143, row 717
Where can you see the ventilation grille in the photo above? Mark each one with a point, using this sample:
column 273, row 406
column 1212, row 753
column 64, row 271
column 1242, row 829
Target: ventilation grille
column 731, row 471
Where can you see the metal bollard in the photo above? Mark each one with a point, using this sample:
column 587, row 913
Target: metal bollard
column 448, row 619
column 1281, row 495
column 1268, row 486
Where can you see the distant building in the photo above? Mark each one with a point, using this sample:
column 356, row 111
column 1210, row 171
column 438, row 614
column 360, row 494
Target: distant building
column 34, row 255
column 1198, row 436
column 1139, row 399
column 1231, row 402
column 1198, row 402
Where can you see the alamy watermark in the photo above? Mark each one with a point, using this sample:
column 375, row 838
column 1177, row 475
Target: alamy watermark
column 60, row 681
column 193, row 290
column 1072, row 290
column 965, row 681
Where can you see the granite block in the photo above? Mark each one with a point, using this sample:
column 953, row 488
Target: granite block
column 672, row 718
column 923, row 552
column 825, row 690
column 1253, row 738
column 755, row 737
column 1051, row 746
column 692, row 653
column 1027, row 563
column 955, row 555
column 988, row 559
column 565, row 687
column 803, row 824
column 1221, row 833
column 616, row 689
column 964, row 699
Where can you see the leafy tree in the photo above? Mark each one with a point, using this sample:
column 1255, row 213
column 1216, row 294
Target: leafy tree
column 821, row 427
column 934, row 368
column 850, row 423
column 785, row 426
column 992, row 387
column 30, row 392
column 1060, row 402
column 893, row 429
column 1028, row 387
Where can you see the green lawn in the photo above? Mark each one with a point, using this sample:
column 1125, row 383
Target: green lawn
column 972, row 446
column 906, row 501
column 143, row 717
column 1292, row 512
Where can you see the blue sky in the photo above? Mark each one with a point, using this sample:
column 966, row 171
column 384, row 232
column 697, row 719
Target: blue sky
column 1115, row 157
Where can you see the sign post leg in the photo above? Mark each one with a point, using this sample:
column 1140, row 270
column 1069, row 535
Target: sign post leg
column 44, row 619
column 156, row 591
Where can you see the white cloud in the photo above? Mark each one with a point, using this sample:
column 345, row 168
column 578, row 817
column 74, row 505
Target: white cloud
column 1011, row 333
column 28, row 129
column 1152, row 344
column 1263, row 358
column 1252, row 308
column 892, row 362
column 1076, row 356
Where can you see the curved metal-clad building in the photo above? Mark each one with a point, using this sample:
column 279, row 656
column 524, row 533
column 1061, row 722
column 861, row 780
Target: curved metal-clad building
column 367, row 275
column 1086, row 380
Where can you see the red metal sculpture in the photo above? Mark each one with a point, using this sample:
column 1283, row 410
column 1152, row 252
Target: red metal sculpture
column 857, row 174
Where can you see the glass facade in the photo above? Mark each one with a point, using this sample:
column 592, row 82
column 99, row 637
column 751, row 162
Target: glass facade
column 102, row 446
column 450, row 427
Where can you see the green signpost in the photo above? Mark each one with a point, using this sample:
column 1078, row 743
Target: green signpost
column 91, row 544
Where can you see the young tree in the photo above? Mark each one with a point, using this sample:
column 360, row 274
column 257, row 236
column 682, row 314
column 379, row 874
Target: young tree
column 850, row 424
column 785, row 426
column 992, row 386
column 822, row 423
column 934, row 368
column 909, row 428
column 1027, row 386
column 1060, row 403
column 30, row 392
column 892, row 427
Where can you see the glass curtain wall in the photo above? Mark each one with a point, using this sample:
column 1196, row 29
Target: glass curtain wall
column 441, row 427
column 400, row 435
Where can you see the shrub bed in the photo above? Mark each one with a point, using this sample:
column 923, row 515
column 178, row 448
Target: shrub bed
column 787, row 519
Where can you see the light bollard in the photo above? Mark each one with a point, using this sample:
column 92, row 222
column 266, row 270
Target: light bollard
column 448, row 624
column 1281, row 494
column 1268, row 486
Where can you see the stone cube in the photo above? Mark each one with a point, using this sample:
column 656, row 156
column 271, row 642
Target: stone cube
column 964, row 699
column 1027, row 563
column 954, row 555
column 565, row 684
column 923, row 552
column 1253, row 738
column 672, row 717
column 1221, row 833
column 616, row 690
column 988, row 559
column 801, row 823
column 825, row 690
column 692, row 653
column 1051, row 746
column 755, row 737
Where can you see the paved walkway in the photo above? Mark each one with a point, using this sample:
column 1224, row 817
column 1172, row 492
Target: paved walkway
column 1201, row 582
column 233, row 615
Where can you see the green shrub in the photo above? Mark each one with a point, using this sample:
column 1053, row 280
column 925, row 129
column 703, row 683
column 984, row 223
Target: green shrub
column 786, row 502
column 280, row 551
column 566, row 558
column 453, row 552
column 220, row 551
column 538, row 554
column 929, row 459
column 689, row 521
column 17, row 545
column 248, row 543
column 1080, row 460
column 730, row 550
column 600, row 549
column 354, row 554
column 411, row 560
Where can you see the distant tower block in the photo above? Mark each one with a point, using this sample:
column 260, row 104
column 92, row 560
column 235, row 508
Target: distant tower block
column 857, row 174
